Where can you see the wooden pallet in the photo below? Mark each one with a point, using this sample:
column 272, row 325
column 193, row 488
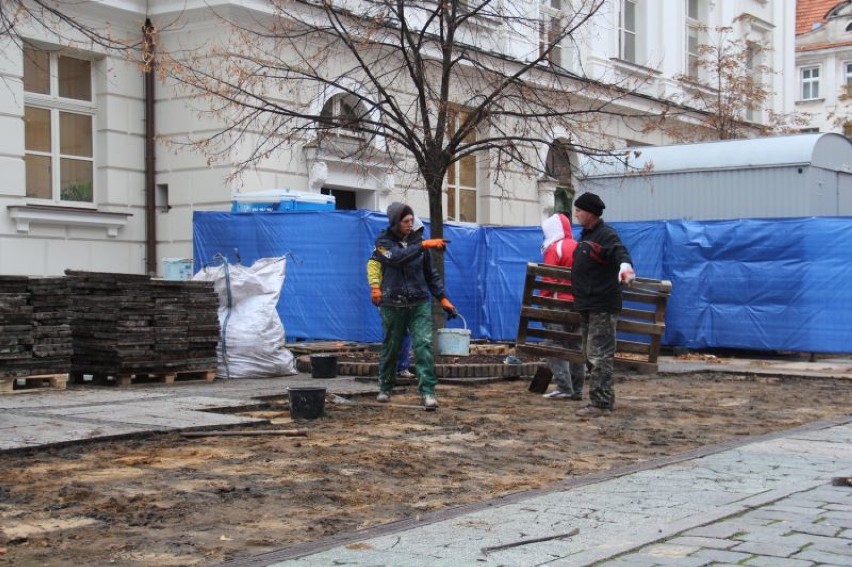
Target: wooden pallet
column 18, row 384
column 642, row 317
column 322, row 347
column 129, row 379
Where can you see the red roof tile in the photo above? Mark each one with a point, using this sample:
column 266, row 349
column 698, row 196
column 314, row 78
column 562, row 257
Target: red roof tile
column 808, row 12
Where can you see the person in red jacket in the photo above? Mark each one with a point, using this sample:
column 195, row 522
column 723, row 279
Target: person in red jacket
column 558, row 248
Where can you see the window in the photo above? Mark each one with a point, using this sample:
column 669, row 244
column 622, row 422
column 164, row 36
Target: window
column 848, row 68
column 810, row 83
column 753, row 67
column 58, row 127
column 695, row 27
column 551, row 27
column 627, row 31
column 341, row 111
column 461, row 179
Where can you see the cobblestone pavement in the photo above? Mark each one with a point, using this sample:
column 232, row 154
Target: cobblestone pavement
column 767, row 502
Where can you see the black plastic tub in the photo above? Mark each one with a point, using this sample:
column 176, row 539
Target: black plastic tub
column 306, row 403
column 324, row 365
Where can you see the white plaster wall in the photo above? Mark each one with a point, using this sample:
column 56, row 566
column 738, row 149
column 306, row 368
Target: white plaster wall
column 193, row 184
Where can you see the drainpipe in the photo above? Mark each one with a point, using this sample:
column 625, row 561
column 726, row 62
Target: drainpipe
column 148, row 45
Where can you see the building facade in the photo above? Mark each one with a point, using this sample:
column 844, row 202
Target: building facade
column 824, row 64
column 94, row 173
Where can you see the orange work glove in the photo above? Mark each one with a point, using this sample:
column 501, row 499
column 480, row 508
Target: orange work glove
column 448, row 308
column 438, row 243
column 376, row 295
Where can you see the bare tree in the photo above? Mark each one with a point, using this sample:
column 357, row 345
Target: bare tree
column 728, row 84
column 432, row 83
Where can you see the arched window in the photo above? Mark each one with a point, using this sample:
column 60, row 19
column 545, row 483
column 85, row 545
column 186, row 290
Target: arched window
column 343, row 111
column 559, row 164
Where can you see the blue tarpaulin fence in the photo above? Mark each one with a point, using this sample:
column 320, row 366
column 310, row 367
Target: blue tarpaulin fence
column 764, row 284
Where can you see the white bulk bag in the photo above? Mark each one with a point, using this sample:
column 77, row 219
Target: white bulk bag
column 251, row 341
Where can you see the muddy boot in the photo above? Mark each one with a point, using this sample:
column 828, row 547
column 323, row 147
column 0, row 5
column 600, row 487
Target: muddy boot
column 592, row 411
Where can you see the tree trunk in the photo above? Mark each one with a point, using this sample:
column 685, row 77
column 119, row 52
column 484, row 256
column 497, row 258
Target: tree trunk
column 435, row 188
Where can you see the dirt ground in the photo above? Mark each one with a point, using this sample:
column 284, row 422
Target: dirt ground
column 171, row 500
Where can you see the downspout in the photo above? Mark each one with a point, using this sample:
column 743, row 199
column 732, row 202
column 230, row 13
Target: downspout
column 148, row 45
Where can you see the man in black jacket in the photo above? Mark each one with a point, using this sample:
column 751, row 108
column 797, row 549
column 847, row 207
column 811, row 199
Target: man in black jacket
column 408, row 280
column 601, row 265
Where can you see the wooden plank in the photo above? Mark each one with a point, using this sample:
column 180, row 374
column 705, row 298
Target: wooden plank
column 550, row 315
column 561, row 336
column 638, row 314
column 553, row 287
column 250, row 432
column 33, row 383
column 632, row 347
column 639, row 328
column 551, row 351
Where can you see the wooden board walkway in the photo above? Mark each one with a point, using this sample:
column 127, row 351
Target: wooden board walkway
column 19, row 384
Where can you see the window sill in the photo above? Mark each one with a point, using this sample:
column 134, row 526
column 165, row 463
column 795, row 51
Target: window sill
column 809, row 100
column 629, row 65
column 24, row 215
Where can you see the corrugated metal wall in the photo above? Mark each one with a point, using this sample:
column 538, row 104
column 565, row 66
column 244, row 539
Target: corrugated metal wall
column 788, row 191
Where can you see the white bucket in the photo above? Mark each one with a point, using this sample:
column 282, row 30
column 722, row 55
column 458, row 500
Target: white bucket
column 454, row 342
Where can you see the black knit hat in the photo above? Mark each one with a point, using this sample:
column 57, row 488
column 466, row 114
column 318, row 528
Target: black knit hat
column 590, row 203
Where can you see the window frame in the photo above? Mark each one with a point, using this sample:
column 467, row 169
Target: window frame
column 753, row 65
column 547, row 15
column 60, row 107
column 453, row 180
column 624, row 31
column 694, row 24
column 810, row 82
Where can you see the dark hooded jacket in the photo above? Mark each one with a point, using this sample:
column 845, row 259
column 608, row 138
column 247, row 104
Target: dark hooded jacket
column 408, row 275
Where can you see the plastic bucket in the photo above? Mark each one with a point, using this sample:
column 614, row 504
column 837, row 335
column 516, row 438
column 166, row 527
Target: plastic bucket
column 323, row 365
column 454, row 342
column 306, row 403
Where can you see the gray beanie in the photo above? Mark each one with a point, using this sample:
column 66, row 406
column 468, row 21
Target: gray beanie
column 396, row 212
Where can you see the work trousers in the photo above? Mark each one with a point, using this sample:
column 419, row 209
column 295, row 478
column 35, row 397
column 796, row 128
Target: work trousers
column 598, row 332
column 569, row 376
column 417, row 319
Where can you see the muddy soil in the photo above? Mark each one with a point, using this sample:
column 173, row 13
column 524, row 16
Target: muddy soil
column 170, row 500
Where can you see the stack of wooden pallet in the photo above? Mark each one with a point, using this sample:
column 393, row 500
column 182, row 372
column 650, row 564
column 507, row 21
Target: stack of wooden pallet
column 35, row 335
column 16, row 328
column 51, row 324
column 129, row 325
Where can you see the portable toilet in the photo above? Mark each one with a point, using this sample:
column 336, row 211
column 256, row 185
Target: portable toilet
column 281, row 200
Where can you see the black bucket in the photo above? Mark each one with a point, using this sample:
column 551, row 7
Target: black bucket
column 324, row 365
column 306, row 403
